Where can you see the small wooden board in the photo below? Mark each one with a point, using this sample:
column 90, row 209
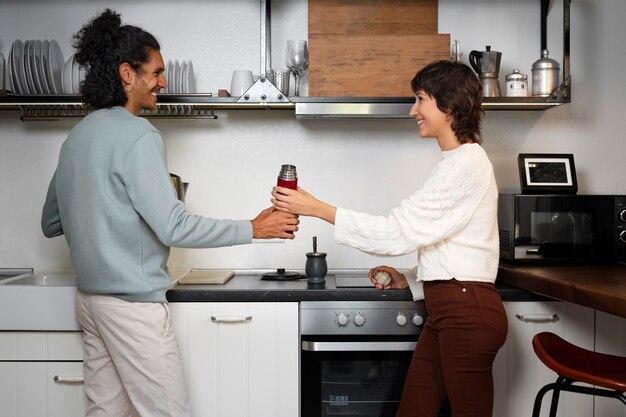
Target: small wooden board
column 371, row 48
column 206, row 276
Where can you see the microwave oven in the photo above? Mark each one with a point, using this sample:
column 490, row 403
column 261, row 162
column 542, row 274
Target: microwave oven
column 562, row 228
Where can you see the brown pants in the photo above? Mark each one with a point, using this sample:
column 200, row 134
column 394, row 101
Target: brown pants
column 465, row 328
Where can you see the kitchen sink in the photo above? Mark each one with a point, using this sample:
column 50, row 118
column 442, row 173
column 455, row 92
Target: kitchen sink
column 59, row 280
column 8, row 273
column 38, row 302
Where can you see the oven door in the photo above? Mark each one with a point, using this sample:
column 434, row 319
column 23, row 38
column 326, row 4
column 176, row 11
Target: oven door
column 353, row 377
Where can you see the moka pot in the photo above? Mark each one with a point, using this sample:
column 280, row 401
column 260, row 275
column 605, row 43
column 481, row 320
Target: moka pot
column 487, row 66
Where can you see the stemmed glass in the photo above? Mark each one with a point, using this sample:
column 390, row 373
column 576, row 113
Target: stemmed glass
column 297, row 59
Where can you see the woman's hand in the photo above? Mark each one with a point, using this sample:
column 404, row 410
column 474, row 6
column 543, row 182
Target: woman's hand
column 302, row 203
column 398, row 280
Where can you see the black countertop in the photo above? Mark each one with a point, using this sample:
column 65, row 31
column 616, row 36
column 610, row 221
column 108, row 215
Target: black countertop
column 250, row 288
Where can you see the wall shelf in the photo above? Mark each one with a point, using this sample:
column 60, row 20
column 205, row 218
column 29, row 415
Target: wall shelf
column 196, row 106
column 192, row 106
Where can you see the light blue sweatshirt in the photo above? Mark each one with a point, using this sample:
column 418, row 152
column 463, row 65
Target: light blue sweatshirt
column 112, row 197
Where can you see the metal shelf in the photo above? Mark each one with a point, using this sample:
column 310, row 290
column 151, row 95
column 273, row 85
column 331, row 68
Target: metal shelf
column 264, row 96
column 197, row 106
column 170, row 106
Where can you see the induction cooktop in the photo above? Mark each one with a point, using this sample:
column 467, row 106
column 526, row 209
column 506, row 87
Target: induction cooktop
column 353, row 281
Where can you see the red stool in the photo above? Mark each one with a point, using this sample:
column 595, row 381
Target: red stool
column 574, row 364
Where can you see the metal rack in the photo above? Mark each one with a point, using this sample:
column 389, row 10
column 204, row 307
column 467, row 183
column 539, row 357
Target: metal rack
column 203, row 106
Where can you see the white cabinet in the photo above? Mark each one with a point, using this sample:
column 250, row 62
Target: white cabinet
column 41, row 374
column 241, row 359
column 611, row 339
column 519, row 374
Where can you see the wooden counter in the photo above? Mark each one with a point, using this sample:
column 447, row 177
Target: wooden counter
column 601, row 287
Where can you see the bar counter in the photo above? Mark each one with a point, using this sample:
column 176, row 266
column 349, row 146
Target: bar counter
column 601, row 287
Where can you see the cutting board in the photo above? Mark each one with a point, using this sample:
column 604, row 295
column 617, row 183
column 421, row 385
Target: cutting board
column 371, row 48
column 372, row 65
column 373, row 17
column 206, row 276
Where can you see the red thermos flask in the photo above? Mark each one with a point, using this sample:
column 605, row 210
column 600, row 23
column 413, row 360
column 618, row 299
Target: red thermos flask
column 288, row 177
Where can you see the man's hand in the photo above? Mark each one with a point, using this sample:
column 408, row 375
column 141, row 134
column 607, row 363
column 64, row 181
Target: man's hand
column 271, row 223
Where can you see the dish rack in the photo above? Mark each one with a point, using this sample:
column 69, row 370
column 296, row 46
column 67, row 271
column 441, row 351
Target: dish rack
column 170, row 106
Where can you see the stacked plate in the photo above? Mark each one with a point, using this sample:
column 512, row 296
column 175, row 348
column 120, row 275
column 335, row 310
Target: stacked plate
column 72, row 75
column 180, row 77
column 35, row 67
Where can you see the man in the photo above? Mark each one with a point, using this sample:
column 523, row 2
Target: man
column 112, row 198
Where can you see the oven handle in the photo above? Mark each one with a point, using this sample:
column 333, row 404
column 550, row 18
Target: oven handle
column 357, row 346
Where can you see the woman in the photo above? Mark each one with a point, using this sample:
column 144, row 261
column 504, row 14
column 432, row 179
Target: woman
column 451, row 223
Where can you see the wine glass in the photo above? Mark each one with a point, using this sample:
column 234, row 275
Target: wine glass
column 297, row 59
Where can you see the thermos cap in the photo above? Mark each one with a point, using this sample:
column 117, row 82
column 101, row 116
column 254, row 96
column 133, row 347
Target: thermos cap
column 288, row 172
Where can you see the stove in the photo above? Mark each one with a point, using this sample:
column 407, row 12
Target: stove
column 377, row 318
column 355, row 354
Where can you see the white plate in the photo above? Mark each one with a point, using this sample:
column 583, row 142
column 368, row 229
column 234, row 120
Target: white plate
column 191, row 79
column 167, row 74
column 175, row 76
column 67, row 75
column 9, row 73
column 55, row 67
column 75, row 76
column 179, row 77
column 43, row 65
column 17, row 60
column 184, row 84
column 2, row 72
column 34, row 71
column 35, row 67
column 30, row 82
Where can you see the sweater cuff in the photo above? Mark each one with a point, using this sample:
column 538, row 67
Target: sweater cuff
column 342, row 226
column 243, row 232
column 416, row 286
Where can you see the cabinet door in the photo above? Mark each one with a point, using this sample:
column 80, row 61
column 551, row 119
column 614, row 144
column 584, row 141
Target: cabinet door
column 241, row 359
column 519, row 374
column 30, row 389
column 611, row 339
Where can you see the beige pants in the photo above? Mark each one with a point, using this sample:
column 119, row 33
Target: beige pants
column 132, row 362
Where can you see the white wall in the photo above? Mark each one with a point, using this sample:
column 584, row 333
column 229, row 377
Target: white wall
column 366, row 165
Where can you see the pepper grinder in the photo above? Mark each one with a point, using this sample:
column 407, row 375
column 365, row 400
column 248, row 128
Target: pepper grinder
column 316, row 267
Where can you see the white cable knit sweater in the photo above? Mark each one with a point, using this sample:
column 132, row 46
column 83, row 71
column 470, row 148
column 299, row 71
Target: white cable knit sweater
column 451, row 223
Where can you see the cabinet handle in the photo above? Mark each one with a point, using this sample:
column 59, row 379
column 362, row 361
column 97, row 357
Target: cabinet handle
column 231, row 319
column 538, row 317
column 69, row 379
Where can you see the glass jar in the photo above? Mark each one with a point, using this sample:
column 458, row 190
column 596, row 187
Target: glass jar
column 516, row 84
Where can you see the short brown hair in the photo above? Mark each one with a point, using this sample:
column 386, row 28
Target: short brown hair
column 457, row 92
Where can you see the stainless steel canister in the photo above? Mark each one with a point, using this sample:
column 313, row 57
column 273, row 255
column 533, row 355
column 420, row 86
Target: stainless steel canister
column 280, row 78
column 516, row 84
column 545, row 75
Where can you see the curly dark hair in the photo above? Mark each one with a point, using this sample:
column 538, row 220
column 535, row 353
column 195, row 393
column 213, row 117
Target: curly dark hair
column 102, row 45
column 457, row 92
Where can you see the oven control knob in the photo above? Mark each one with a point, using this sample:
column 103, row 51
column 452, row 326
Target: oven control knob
column 622, row 236
column 359, row 319
column 622, row 215
column 401, row 319
column 342, row 319
column 417, row 320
